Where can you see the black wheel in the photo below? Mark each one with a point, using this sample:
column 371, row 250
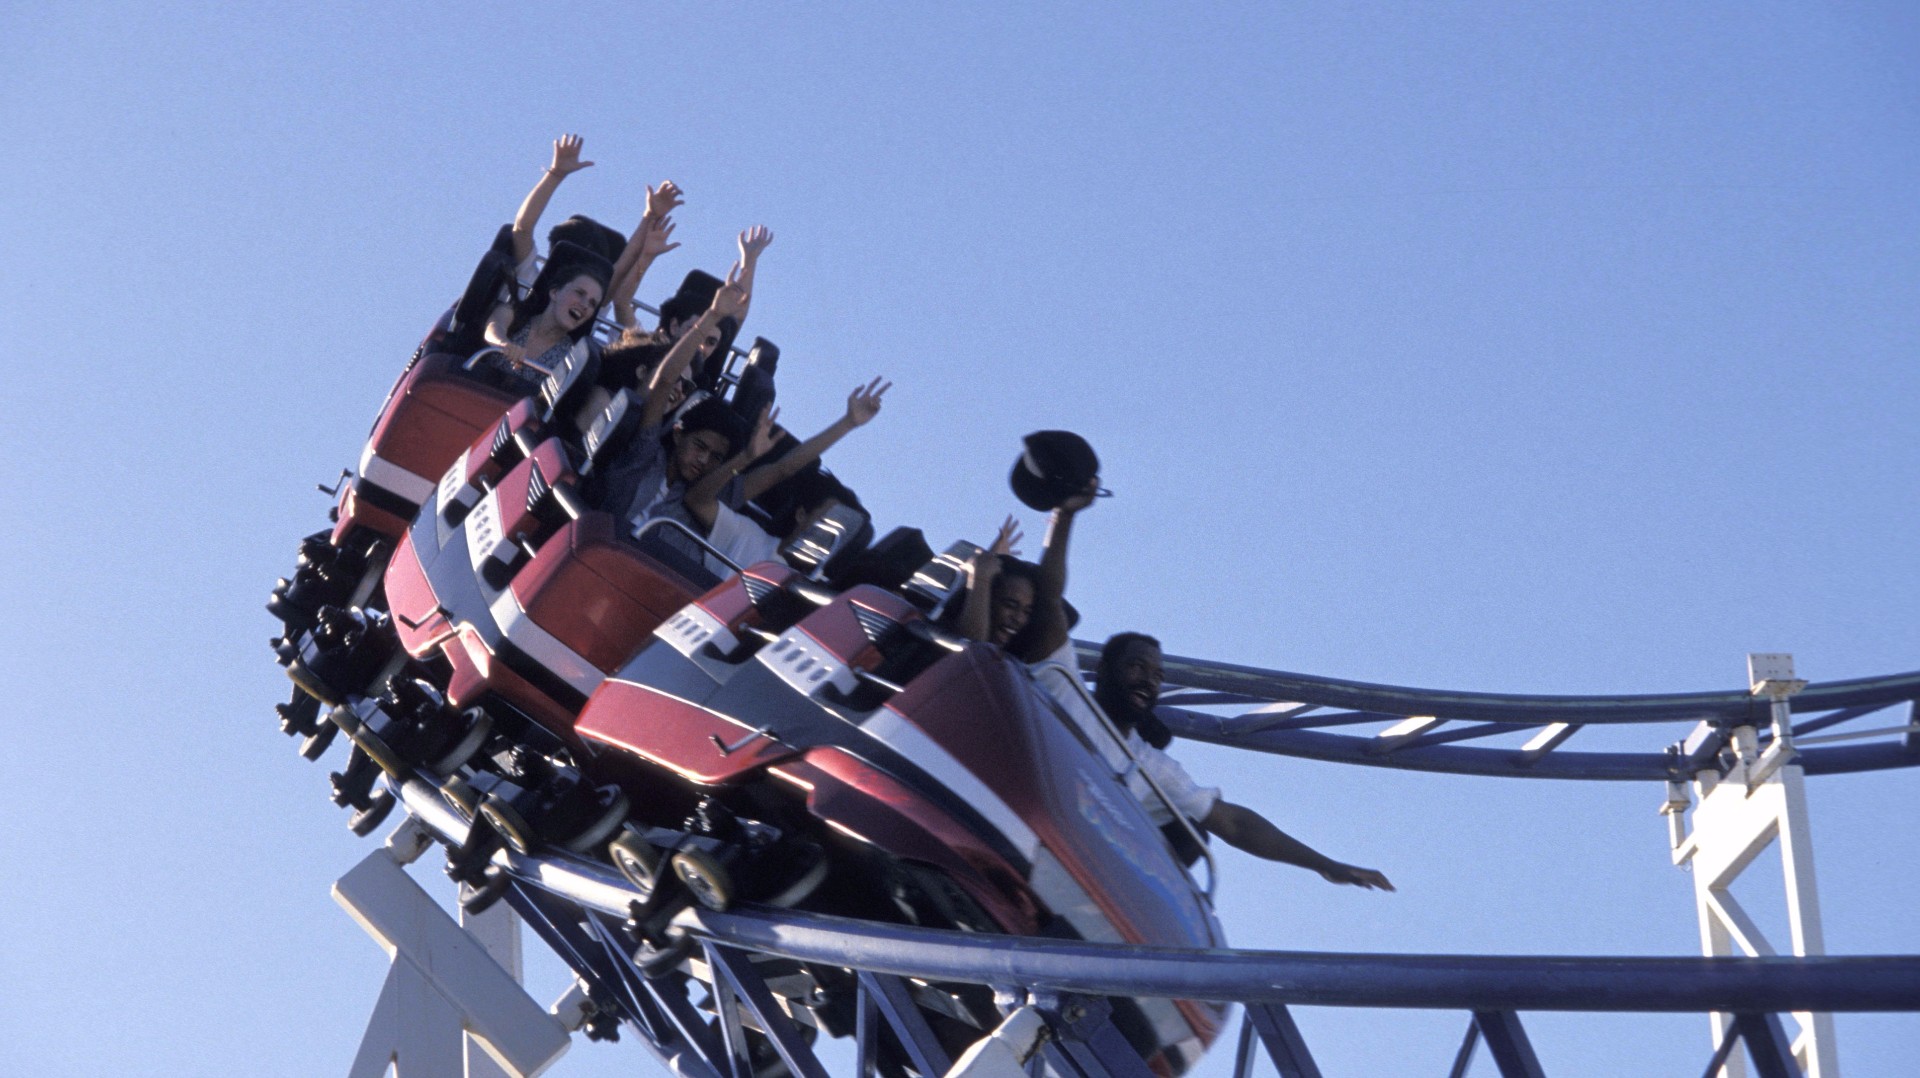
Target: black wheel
column 595, row 834
column 706, row 878
column 380, row 752
column 637, row 860
column 315, row 746
column 378, row 806
column 479, row 728
column 512, row 826
column 461, row 797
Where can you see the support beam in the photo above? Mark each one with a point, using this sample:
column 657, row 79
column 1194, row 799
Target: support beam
column 442, row 981
column 1507, row 1043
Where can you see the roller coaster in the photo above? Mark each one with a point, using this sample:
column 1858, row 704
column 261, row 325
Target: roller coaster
column 757, row 807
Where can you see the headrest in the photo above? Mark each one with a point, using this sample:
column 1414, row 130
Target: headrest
column 1057, row 465
column 891, row 562
column 565, row 261
column 830, row 541
column 942, row 580
column 695, row 295
column 585, row 232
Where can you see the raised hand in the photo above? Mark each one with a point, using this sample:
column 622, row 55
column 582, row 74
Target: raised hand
column 654, row 237
column 566, row 155
column 753, row 241
column 1357, row 876
column 663, row 200
column 1083, row 499
column 764, row 435
column 864, row 402
column 1008, row 541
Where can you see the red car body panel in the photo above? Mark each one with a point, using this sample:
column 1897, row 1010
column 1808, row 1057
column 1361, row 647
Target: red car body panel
column 681, row 736
column 864, row 802
column 417, row 616
column 595, row 593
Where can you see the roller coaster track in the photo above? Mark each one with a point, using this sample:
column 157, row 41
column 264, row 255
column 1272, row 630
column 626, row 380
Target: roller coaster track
column 730, row 1012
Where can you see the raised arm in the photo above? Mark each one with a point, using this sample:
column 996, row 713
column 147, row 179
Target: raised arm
column 703, row 496
column 1049, row 627
column 727, row 303
column 648, row 242
column 566, row 161
column 976, row 611
column 1245, row 829
column 862, row 405
column 753, row 242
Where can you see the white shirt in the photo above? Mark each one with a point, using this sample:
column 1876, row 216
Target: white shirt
column 1192, row 800
column 740, row 539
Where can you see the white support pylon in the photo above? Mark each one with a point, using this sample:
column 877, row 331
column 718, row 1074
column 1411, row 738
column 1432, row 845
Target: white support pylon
column 1760, row 799
column 443, row 982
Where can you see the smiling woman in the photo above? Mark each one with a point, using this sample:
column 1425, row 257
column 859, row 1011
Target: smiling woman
column 535, row 334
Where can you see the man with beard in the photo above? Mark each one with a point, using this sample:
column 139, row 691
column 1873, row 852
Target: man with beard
column 1127, row 687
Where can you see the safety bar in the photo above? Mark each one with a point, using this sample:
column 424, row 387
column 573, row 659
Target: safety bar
column 1106, row 724
column 669, row 522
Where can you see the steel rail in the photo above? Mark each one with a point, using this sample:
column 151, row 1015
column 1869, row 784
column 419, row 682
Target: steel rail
column 1452, row 982
column 1735, row 705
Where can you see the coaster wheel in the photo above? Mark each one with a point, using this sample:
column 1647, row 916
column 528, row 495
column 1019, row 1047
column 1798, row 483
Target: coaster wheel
column 706, row 878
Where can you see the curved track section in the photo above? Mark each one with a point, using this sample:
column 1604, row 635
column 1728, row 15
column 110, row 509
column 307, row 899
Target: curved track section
column 758, row 979
column 1524, row 736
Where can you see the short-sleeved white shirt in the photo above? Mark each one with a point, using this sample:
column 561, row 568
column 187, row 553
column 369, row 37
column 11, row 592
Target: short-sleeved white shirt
column 740, row 539
column 1193, row 800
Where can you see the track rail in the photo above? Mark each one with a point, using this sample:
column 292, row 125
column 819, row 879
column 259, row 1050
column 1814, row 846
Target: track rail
column 1426, row 729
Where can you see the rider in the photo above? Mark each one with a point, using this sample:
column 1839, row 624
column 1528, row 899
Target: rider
column 1127, row 687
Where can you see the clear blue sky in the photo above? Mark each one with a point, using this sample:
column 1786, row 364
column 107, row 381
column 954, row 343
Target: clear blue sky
column 1477, row 346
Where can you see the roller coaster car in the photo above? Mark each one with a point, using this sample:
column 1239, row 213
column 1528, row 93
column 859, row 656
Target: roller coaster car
column 781, row 734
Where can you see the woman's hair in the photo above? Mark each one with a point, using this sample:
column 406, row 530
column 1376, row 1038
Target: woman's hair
column 565, row 264
column 1013, row 568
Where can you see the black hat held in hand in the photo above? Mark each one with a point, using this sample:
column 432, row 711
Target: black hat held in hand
column 1057, row 465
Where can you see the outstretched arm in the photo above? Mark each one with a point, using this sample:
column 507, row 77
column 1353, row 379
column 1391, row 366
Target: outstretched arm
column 566, row 161
column 703, row 497
column 648, row 242
column 862, row 405
column 727, row 303
column 1245, row 829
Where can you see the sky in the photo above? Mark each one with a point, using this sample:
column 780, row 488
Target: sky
column 1513, row 348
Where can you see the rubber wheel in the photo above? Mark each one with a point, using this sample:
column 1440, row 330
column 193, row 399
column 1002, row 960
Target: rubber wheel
column 706, row 878
column 461, row 797
column 371, row 817
column 637, row 860
column 513, row 827
column 380, row 752
column 477, row 733
column 315, row 746
column 596, row 833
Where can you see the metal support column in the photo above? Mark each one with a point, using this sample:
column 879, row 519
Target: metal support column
column 1761, row 797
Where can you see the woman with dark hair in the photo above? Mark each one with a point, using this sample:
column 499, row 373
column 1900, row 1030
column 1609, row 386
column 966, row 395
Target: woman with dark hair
column 1022, row 607
column 536, row 334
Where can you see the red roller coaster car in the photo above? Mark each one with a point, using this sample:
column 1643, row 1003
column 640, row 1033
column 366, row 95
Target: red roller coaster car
column 780, row 733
